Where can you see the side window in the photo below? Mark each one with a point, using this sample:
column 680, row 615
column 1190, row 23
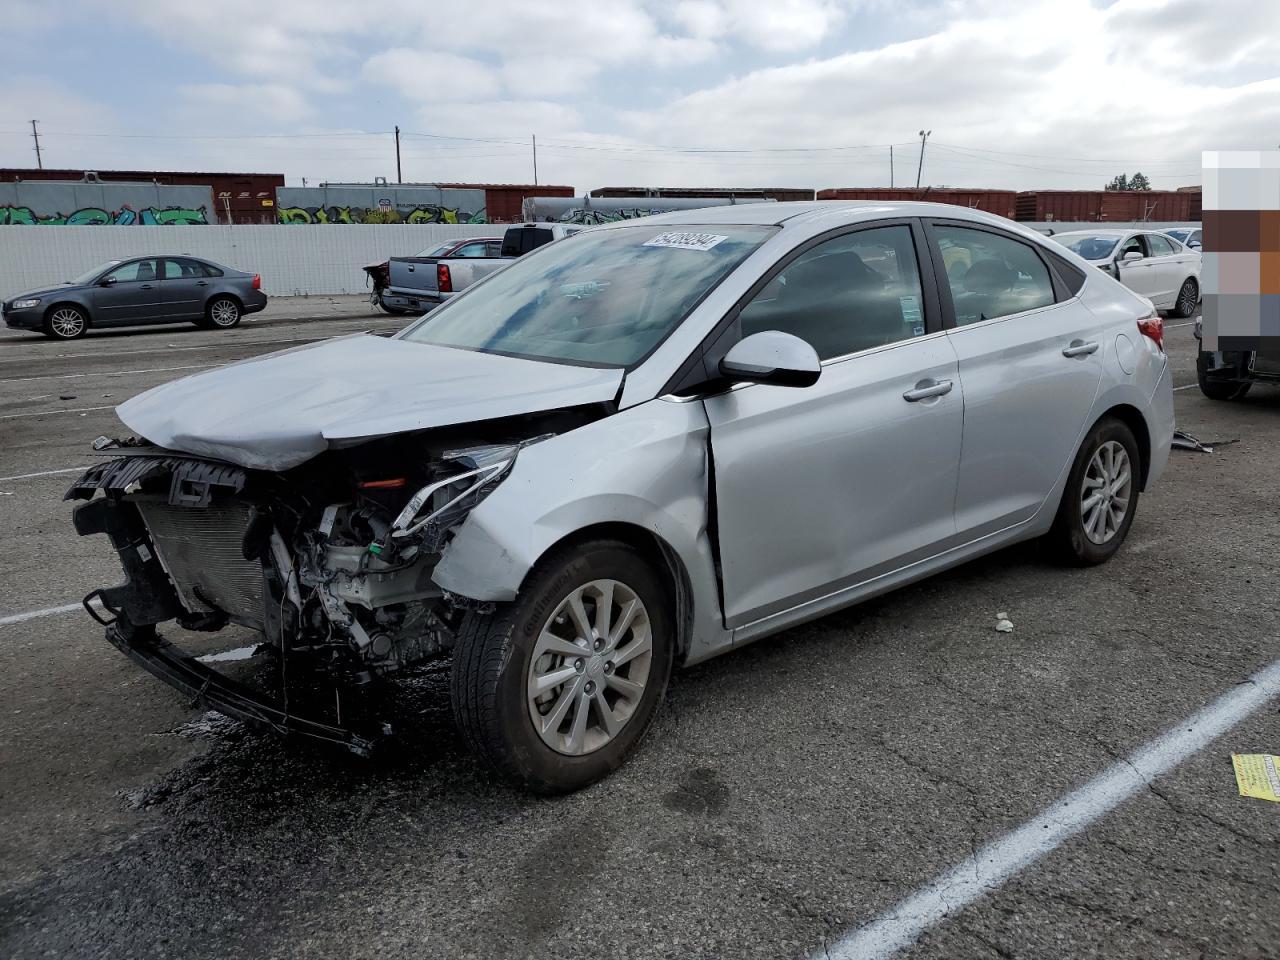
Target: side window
column 138, row 270
column 181, row 270
column 1160, row 247
column 853, row 292
column 1196, row 237
column 471, row 250
column 991, row 275
column 493, row 249
column 1132, row 245
column 210, row 270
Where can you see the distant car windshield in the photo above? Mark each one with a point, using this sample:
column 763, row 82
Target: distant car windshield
column 1088, row 245
column 603, row 297
column 90, row 274
column 439, row 250
column 1179, row 235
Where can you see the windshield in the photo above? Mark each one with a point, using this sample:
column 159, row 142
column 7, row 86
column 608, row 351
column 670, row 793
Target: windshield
column 1179, row 235
column 604, row 297
column 439, row 250
column 89, row 275
column 1088, row 245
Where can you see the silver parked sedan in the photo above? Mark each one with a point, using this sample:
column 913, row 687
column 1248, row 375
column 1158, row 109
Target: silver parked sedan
column 634, row 449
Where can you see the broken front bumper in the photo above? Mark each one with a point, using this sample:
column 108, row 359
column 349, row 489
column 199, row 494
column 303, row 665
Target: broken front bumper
column 213, row 691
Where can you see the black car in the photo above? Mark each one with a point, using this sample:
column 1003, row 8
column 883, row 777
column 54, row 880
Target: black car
column 1228, row 374
column 142, row 290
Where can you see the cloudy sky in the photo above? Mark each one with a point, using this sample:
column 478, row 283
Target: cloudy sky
column 1018, row 93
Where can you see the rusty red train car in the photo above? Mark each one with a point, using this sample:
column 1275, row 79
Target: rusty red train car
column 999, row 202
column 1115, row 206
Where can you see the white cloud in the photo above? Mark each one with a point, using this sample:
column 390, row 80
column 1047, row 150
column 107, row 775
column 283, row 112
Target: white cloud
column 277, row 102
column 426, row 76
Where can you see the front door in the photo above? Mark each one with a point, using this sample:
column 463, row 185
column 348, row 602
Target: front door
column 1168, row 270
column 1140, row 276
column 1030, row 363
column 132, row 295
column 823, row 487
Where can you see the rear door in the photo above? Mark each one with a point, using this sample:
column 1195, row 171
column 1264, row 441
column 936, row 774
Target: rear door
column 131, row 295
column 1030, row 358
column 823, row 487
column 183, row 288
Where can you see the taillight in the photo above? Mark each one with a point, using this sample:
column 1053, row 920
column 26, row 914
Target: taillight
column 1153, row 327
column 257, row 282
column 444, row 283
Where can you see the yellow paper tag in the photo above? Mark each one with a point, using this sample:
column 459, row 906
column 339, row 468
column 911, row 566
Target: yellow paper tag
column 1258, row 775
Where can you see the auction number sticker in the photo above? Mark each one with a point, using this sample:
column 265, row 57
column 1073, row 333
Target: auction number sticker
column 686, row 241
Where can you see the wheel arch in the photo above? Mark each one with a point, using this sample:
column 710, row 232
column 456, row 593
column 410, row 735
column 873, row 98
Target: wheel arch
column 84, row 310
column 1132, row 418
column 220, row 295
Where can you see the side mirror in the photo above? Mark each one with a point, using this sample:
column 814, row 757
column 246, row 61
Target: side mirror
column 107, row 282
column 772, row 356
column 1131, row 256
column 1195, row 245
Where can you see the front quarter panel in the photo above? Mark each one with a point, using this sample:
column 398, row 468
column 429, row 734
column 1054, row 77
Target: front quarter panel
column 646, row 467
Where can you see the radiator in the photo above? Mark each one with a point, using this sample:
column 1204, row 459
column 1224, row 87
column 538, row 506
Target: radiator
column 201, row 548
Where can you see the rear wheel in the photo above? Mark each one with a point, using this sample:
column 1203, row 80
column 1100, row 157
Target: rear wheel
column 556, row 688
column 1218, row 389
column 1100, row 498
column 65, row 323
column 1188, row 297
column 222, row 313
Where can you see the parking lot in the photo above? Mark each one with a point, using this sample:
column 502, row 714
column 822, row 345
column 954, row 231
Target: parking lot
column 789, row 793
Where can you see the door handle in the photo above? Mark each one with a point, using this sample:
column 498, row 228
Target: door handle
column 145, row 286
column 926, row 389
column 1080, row 348
column 202, row 283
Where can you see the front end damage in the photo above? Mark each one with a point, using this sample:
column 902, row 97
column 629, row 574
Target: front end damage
column 329, row 564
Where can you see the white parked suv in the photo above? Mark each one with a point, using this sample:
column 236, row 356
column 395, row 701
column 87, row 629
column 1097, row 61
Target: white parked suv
column 1152, row 264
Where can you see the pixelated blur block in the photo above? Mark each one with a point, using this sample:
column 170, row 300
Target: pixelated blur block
column 1241, row 272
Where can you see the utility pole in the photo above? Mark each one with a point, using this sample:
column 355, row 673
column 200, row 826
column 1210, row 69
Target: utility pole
column 398, row 180
column 891, row 166
column 535, row 159
column 36, row 135
column 924, row 137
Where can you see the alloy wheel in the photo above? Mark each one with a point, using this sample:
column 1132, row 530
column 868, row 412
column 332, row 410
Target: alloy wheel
column 66, row 322
column 1187, row 299
column 224, row 313
column 589, row 667
column 1105, row 492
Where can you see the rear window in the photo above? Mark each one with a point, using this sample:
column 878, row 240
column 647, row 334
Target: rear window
column 521, row 240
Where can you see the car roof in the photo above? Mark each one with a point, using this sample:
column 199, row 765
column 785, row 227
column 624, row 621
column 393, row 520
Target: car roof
column 828, row 213
column 1100, row 232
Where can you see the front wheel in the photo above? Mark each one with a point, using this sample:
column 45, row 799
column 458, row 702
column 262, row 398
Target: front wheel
column 556, row 688
column 1218, row 389
column 65, row 323
column 1100, row 498
column 1188, row 297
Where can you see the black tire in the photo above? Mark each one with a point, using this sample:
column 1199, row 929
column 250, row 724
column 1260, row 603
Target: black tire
column 493, row 656
column 1067, row 539
column 1188, row 298
column 222, row 313
column 60, row 322
column 1218, row 389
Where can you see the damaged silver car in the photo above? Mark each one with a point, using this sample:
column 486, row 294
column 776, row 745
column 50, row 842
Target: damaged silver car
column 633, row 449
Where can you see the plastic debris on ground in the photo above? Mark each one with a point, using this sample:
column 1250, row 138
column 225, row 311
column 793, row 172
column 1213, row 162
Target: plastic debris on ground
column 1258, row 775
column 1003, row 623
column 1185, row 441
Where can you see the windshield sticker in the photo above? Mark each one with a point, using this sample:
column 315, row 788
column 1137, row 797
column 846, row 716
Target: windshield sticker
column 686, row 241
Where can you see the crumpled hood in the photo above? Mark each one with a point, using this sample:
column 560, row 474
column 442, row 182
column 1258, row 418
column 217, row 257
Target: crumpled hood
column 278, row 411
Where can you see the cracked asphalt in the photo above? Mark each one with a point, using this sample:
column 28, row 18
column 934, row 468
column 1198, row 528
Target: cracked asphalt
column 788, row 793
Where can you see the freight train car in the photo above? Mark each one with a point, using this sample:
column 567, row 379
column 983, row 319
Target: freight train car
column 1108, row 206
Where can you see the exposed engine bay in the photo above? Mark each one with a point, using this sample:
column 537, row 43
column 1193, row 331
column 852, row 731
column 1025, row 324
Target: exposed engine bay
column 330, row 562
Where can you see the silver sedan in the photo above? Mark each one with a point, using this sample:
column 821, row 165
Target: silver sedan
column 636, row 448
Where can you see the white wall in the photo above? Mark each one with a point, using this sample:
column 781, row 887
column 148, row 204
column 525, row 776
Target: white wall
column 293, row 259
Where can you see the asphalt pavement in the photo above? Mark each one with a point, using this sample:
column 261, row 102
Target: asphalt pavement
column 789, row 793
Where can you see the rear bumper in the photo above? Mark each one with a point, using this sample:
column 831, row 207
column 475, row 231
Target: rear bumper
column 213, row 691
column 254, row 301
column 403, row 299
column 1161, row 426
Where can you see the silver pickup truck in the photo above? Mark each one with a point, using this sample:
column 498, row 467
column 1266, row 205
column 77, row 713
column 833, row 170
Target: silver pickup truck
column 418, row 283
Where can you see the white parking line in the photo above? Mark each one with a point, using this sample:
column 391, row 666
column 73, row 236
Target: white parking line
column 1174, row 326
column 1185, row 386
column 36, row 614
column 115, row 373
column 995, row 863
column 43, row 473
column 50, row 413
